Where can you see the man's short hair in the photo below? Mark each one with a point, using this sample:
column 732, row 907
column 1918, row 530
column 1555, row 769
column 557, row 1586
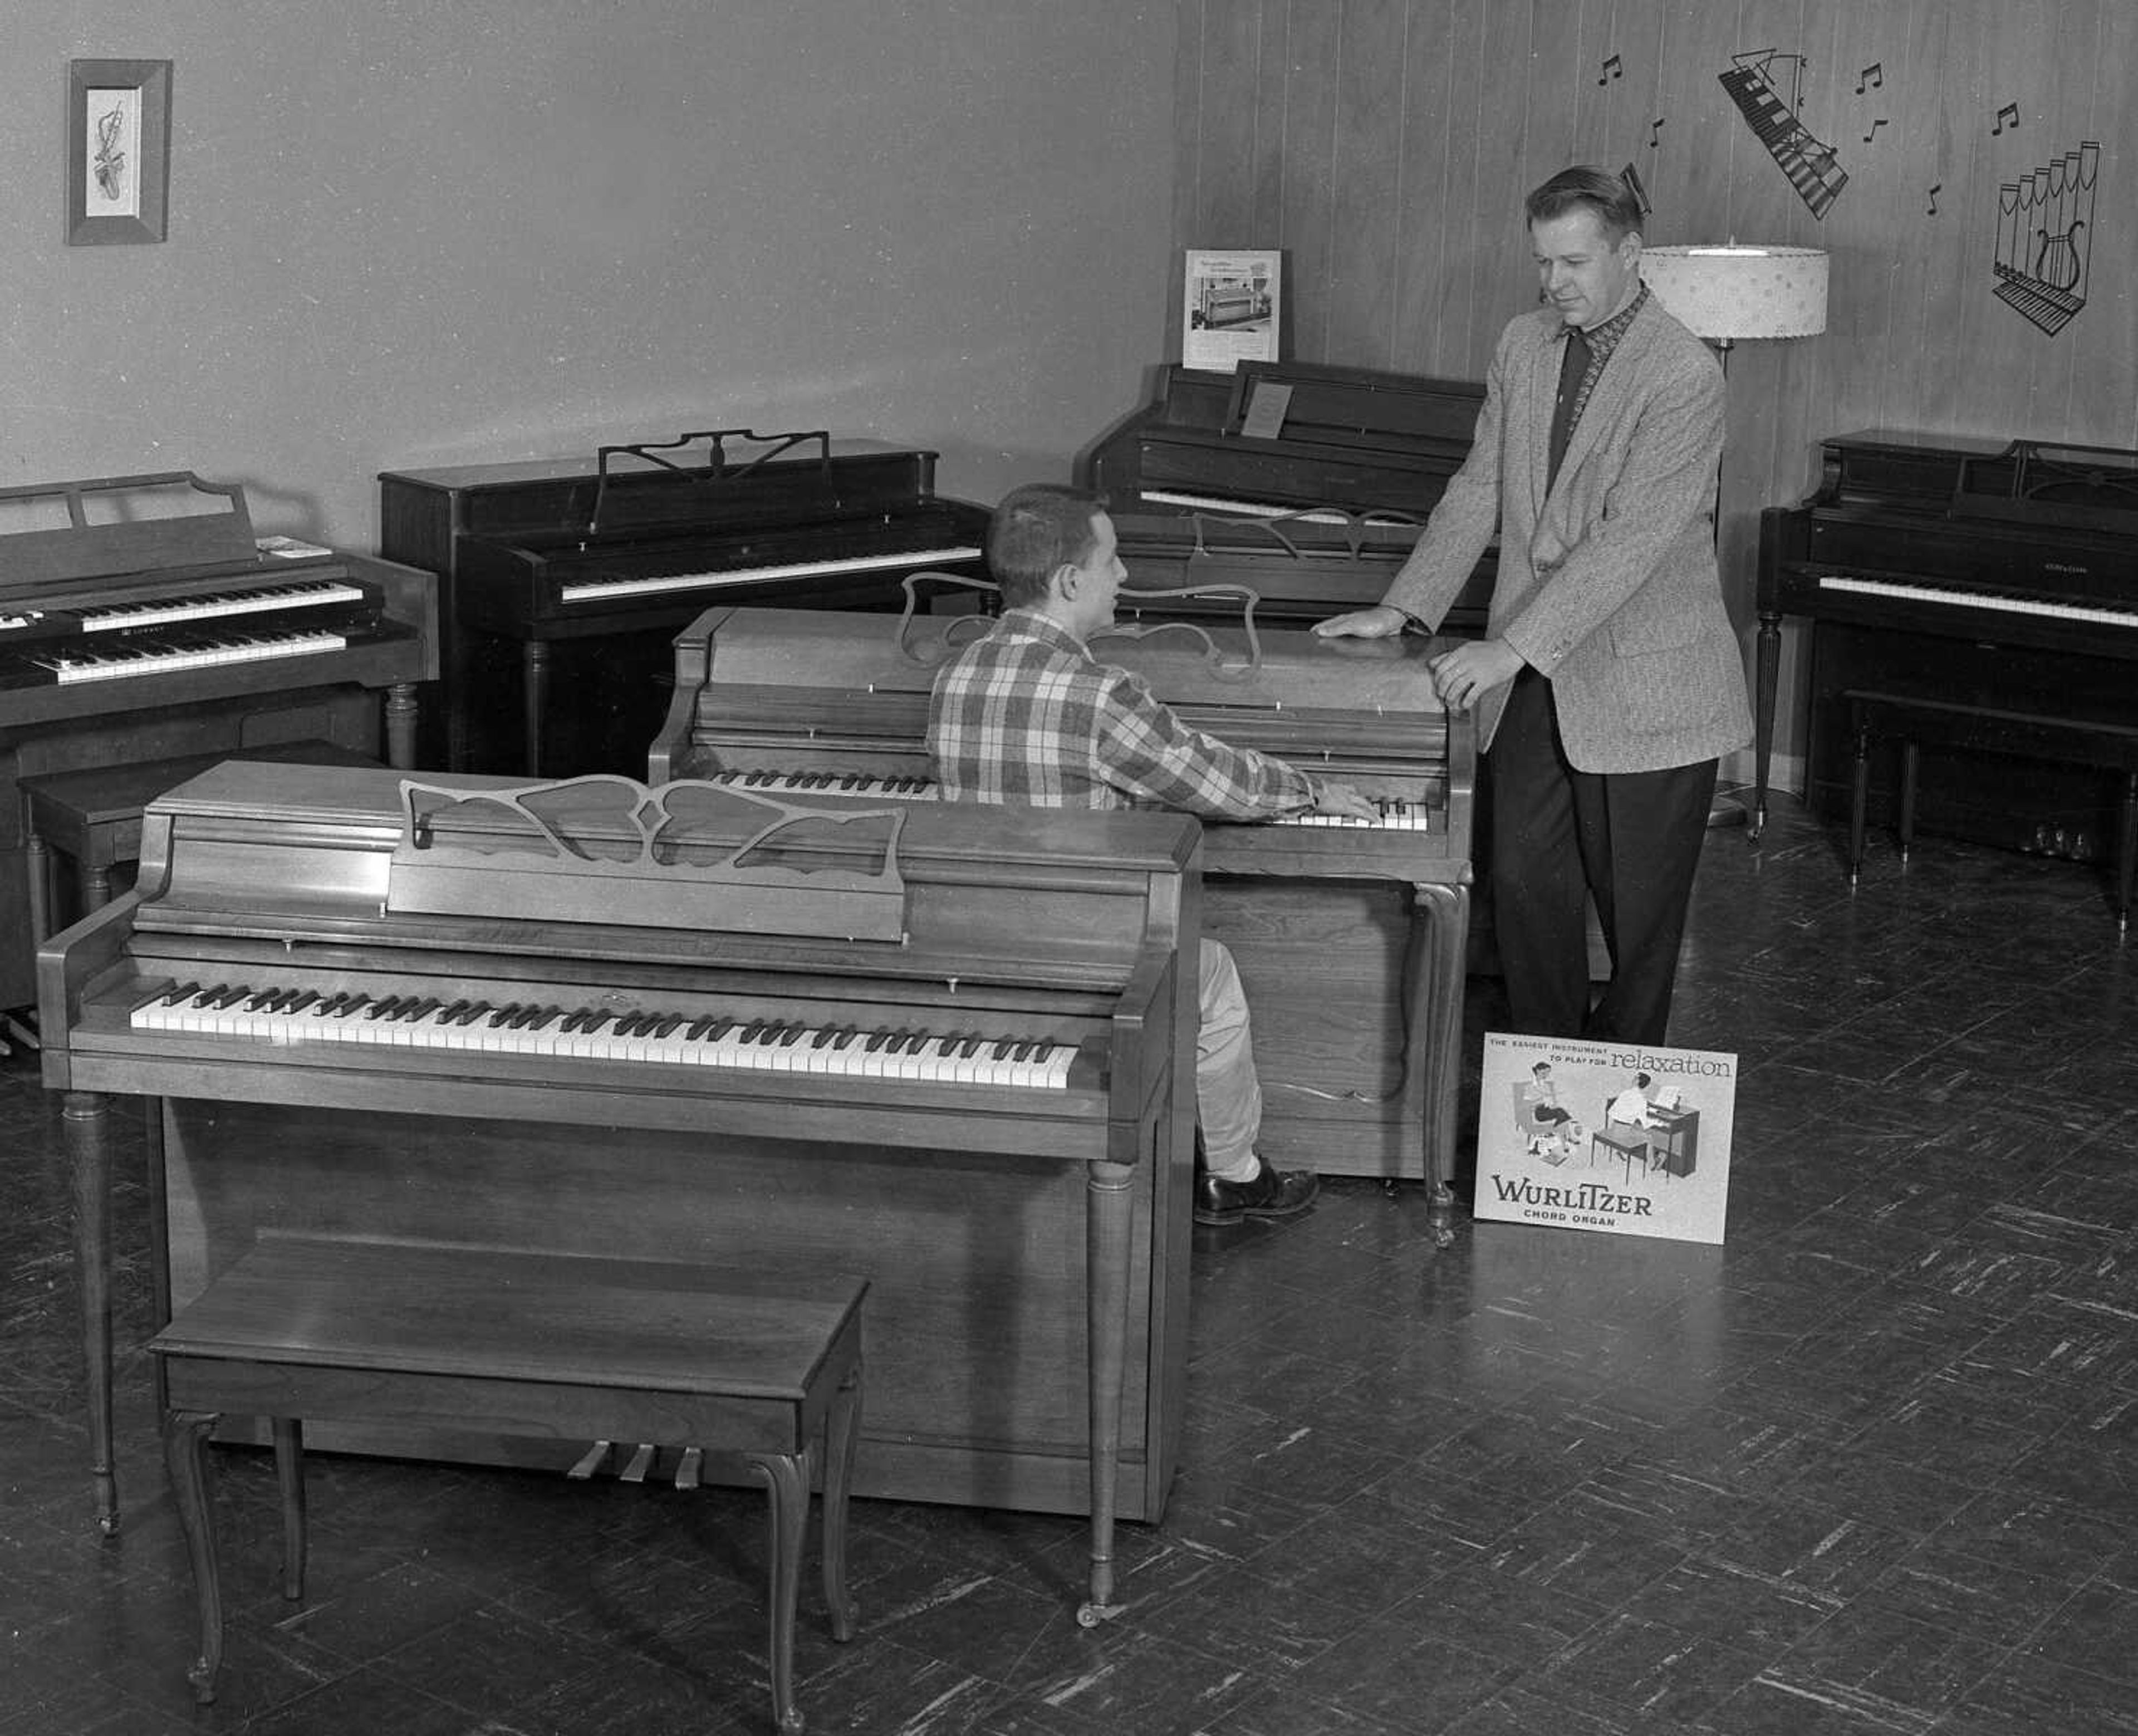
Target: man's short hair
column 1587, row 188
column 1643, row 1080
column 1037, row 529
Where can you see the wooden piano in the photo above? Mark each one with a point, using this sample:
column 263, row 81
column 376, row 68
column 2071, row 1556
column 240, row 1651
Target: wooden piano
column 1349, row 937
column 2004, row 575
column 139, row 620
column 1306, row 483
column 932, row 1047
column 565, row 580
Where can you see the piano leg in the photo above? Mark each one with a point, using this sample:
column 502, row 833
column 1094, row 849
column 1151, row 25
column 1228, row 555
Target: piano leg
column 533, row 702
column 1444, row 915
column 1768, row 662
column 1109, row 1216
column 401, row 726
column 85, row 1122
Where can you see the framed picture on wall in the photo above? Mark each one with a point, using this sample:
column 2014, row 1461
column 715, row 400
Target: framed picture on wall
column 1230, row 314
column 118, row 151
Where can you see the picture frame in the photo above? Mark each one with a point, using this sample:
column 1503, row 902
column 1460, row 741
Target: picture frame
column 1232, row 308
column 118, row 151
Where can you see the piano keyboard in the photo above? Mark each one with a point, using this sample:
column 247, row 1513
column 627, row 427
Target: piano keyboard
column 602, row 590
column 163, row 656
column 1395, row 815
column 1995, row 602
column 289, row 1016
column 214, row 605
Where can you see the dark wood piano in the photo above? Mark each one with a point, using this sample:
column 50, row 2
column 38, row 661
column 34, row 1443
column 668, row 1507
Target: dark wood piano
column 1306, row 483
column 565, row 580
column 932, row 1047
column 2003, row 575
column 141, row 620
column 1349, row 937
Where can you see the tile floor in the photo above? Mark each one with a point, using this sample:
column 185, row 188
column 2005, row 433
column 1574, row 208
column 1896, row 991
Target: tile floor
column 1871, row 1466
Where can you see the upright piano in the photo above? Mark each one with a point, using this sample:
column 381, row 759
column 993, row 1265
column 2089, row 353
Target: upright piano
column 140, row 619
column 1349, row 936
column 936, row 1048
column 1306, row 483
column 2004, row 575
column 565, row 580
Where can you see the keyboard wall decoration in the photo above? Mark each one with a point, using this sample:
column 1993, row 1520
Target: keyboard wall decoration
column 1809, row 161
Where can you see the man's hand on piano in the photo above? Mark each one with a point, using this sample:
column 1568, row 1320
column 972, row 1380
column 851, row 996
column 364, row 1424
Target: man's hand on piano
column 1379, row 622
column 1331, row 797
column 1463, row 676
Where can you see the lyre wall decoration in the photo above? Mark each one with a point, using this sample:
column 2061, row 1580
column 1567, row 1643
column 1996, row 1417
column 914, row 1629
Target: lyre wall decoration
column 2045, row 238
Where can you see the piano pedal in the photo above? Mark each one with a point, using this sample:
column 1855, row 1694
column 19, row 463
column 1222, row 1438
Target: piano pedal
column 687, row 1467
column 642, row 1461
column 594, row 1458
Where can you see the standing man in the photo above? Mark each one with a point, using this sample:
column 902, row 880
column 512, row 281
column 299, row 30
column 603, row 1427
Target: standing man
column 1027, row 715
column 1611, row 681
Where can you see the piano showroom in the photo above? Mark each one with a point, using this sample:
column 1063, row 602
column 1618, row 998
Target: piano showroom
column 549, row 1187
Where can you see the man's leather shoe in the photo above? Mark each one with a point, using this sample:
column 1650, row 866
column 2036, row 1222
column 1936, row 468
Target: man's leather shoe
column 1270, row 1193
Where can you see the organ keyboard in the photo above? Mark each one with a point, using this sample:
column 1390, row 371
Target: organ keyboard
column 141, row 620
column 2002, row 573
column 1351, row 938
column 929, row 1045
column 570, row 577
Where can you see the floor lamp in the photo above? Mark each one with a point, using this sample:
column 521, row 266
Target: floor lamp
column 1729, row 293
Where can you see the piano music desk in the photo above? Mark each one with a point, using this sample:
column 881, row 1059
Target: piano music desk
column 93, row 817
column 614, row 1351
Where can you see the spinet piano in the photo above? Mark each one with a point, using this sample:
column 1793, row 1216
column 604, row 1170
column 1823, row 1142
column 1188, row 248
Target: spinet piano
column 563, row 581
column 1350, row 937
column 141, row 620
column 934, row 1048
column 1306, row 483
column 2003, row 574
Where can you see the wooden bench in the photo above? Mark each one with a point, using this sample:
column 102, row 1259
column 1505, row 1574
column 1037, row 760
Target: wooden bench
column 649, row 1353
column 93, row 817
column 1985, row 729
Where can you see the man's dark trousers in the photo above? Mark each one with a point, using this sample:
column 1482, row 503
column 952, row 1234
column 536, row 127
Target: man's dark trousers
column 1631, row 840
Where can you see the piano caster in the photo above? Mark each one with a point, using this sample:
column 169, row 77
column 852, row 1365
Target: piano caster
column 1090, row 1615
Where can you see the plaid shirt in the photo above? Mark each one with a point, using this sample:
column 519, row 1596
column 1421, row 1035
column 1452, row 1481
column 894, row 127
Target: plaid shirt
column 1027, row 716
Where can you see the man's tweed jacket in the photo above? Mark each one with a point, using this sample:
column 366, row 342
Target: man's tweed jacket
column 1609, row 584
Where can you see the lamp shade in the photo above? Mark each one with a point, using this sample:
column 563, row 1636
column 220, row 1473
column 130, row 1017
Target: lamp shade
column 1727, row 293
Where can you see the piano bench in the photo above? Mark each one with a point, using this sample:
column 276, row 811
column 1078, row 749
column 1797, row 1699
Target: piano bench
column 565, row 1347
column 93, row 817
column 1984, row 729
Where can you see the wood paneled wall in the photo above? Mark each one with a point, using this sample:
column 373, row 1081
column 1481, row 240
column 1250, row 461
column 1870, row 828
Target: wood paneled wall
column 1386, row 146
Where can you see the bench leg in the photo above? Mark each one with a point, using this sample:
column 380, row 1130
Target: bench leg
column 787, row 1482
column 1910, row 765
column 1859, row 796
column 2126, row 853
column 842, row 1433
column 185, row 1457
column 289, row 1476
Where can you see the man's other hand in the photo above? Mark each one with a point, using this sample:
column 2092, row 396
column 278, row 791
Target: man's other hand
column 1340, row 798
column 1379, row 622
column 1463, row 676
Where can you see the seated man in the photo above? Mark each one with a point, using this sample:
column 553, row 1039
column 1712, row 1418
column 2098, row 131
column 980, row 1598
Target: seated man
column 1027, row 715
column 1630, row 1107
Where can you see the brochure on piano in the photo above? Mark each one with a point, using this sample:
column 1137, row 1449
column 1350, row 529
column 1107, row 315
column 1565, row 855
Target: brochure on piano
column 1230, row 315
column 1616, row 1136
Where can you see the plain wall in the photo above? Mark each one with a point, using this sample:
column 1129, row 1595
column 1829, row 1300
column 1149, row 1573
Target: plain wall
column 408, row 233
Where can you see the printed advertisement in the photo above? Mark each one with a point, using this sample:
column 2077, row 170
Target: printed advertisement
column 1616, row 1136
column 1231, row 314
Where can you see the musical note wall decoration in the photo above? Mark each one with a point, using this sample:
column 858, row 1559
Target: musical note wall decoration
column 2008, row 115
column 1937, row 188
column 1873, row 75
column 1655, row 134
column 1614, row 67
column 1873, row 133
column 1632, row 176
column 1809, row 162
column 2045, row 238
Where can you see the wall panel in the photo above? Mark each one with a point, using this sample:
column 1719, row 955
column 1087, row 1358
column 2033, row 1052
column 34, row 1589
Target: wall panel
column 1417, row 181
